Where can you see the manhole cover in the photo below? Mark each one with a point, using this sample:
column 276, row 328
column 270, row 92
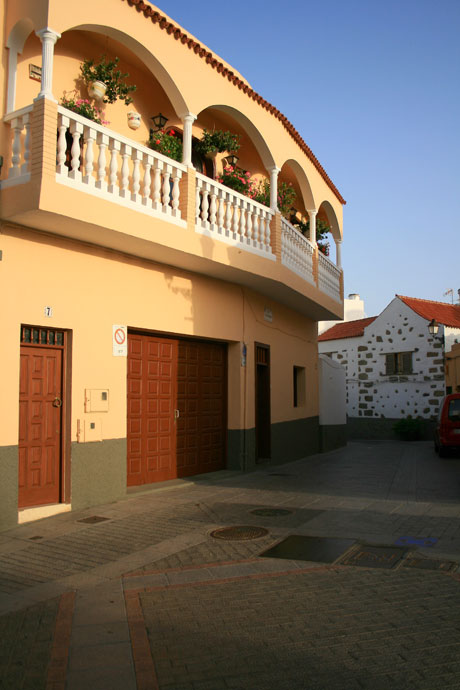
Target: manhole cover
column 430, row 564
column 375, row 556
column 301, row 548
column 93, row 519
column 239, row 533
column 271, row 512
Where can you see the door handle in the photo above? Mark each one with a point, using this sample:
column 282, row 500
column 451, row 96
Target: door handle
column 57, row 402
column 176, row 415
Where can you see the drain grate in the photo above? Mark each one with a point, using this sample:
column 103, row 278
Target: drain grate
column 430, row 564
column 302, row 548
column 375, row 556
column 271, row 512
column 239, row 533
column 279, row 474
column 35, row 538
column 93, row 519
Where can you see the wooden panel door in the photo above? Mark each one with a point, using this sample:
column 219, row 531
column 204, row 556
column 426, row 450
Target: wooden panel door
column 40, row 420
column 152, row 375
column 201, row 398
column 262, row 394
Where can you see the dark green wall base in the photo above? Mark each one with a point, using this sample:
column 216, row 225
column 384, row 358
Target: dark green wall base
column 289, row 441
column 332, row 436
column 382, row 429
column 8, row 487
column 98, row 472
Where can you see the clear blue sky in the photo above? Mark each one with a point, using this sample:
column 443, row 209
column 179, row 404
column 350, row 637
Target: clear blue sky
column 374, row 89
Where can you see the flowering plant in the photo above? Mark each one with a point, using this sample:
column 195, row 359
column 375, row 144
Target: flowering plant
column 83, row 107
column 166, row 143
column 237, row 179
column 217, row 140
column 286, row 196
column 322, row 228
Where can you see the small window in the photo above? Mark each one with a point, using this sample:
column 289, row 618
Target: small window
column 299, row 386
column 454, row 410
column 398, row 363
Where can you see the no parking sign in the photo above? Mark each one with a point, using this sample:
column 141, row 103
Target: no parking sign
column 120, row 341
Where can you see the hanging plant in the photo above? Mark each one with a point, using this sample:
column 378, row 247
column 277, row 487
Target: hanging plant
column 107, row 72
column 217, row 141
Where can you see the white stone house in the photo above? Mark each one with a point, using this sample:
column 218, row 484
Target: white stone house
column 394, row 367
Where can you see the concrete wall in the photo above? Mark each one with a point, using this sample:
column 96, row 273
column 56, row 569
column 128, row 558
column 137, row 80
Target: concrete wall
column 332, row 403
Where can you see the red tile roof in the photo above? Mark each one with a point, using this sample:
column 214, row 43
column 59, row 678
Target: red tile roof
column 346, row 329
column 443, row 313
column 177, row 33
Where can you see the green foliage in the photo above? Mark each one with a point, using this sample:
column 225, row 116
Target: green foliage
column 167, row 144
column 322, row 228
column 217, row 140
column 107, row 71
column 286, row 196
column 408, row 429
column 83, row 107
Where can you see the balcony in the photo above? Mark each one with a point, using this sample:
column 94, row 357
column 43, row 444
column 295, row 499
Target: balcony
column 167, row 211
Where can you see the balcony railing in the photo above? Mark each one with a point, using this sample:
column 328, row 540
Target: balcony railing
column 232, row 217
column 297, row 253
column 101, row 162
column 328, row 277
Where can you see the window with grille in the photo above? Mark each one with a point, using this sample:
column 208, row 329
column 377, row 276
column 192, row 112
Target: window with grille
column 34, row 335
column 398, row 363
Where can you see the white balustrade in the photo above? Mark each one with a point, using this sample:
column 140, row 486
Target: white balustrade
column 18, row 169
column 232, row 217
column 328, row 277
column 110, row 165
column 296, row 251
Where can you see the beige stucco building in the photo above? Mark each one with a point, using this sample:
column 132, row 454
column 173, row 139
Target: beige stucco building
column 156, row 323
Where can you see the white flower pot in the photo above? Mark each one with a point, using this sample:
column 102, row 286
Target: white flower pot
column 134, row 120
column 97, row 90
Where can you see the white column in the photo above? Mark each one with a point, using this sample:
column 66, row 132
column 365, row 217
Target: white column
column 312, row 216
column 338, row 253
column 187, row 120
column 12, row 67
column 48, row 38
column 274, row 172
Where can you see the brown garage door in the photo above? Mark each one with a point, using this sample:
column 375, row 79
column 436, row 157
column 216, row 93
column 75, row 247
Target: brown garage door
column 176, row 408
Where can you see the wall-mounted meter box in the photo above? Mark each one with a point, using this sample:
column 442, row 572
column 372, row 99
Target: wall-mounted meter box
column 96, row 400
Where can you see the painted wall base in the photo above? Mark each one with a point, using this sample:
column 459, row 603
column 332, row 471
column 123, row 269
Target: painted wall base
column 8, row 487
column 382, row 429
column 98, row 472
column 332, row 436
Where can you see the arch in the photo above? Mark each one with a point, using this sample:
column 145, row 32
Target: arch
column 150, row 61
column 328, row 210
column 255, row 135
column 302, row 179
column 16, row 40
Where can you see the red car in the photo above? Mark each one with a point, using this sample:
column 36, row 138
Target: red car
column 447, row 433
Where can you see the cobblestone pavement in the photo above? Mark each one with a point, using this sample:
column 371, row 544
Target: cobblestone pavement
column 148, row 599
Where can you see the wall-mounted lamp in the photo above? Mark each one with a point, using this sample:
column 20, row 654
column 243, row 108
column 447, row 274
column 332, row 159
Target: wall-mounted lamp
column 159, row 121
column 433, row 327
column 232, row 159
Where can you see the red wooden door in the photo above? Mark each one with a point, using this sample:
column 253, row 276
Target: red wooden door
column 40, row 400
column 152, row 366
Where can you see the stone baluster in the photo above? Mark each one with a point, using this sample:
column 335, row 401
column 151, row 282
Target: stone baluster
column 136, row 158
column 175, row 194
column 167, row 189
column 221, row 213
column 147, row 181
column 16, row 126
column 90, row 135
column 63, row 125
column 249, row 235
column 256, row 242
column 76, row 129
column 198, row 201
column 205, row 205
column 126, row 152
column 114, row 148
column 213, row 209
column 25, row 165
column 103, row 142
column 235, row 224
column 228, row 214
column 157, row 168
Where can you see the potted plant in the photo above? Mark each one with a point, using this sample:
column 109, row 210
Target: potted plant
column 286, row 196
column 166, row 143
column 217, row 141
column 105, row 81
column 237, row 179
column 82, row 106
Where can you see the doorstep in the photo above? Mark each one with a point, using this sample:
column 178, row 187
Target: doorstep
column 39, row 512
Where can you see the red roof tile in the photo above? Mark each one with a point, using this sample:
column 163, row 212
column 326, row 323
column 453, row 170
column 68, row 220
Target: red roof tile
column 346, row 329
column 445, row 314
column 150, row 13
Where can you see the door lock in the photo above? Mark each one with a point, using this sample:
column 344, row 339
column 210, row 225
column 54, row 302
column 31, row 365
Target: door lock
column 57, row 402
column 176, row 415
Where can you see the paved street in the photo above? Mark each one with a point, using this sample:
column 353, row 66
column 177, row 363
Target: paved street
column 146, row 598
